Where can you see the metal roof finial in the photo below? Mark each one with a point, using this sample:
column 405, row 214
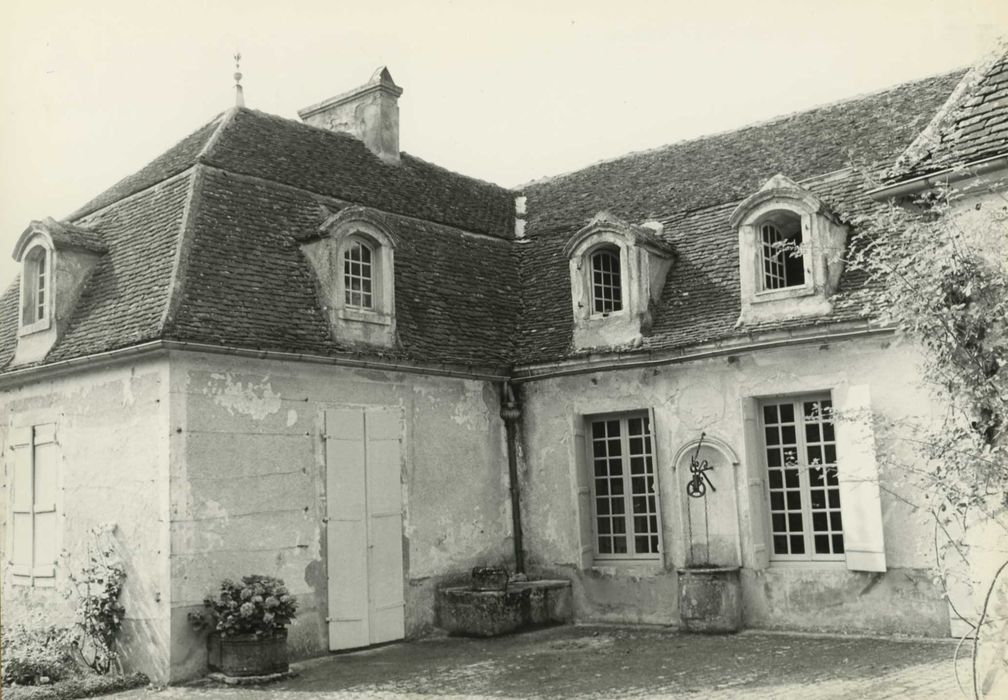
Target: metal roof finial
column 239, row 94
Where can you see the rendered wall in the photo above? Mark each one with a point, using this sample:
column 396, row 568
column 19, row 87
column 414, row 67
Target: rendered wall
column 248, row 478
column 112, row 437
column 707, row 396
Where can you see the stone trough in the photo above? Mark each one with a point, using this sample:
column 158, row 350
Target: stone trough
column 466, row 612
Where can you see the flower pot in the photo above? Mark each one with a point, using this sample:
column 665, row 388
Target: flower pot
column 710, row 599
column 248, row 654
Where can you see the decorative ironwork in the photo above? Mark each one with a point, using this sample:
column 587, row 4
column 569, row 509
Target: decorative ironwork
column 696, row 487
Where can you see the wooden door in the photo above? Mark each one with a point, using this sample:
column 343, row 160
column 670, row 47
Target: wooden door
column 364, row 532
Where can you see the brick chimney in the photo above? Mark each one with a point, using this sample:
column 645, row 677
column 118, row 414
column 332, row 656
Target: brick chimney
column 369, row 113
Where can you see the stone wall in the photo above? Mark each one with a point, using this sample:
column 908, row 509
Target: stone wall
column 707, row 396
column 112, row 447
column 248, row 479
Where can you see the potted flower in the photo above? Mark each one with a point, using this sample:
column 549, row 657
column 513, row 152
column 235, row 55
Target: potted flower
column 248, row 626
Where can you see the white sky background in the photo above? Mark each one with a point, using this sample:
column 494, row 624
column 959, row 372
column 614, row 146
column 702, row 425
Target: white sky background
column 505, row 91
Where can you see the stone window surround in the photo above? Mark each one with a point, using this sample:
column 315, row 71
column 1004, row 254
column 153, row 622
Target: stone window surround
column 644, row 263
column 325, row 251
column 757, row 218
column 29, row 274
column 355, row 224
column 823, row 242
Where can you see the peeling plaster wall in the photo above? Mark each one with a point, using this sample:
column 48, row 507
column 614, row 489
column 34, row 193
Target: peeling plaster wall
column 112, row 438
column 248, row 481
column 706, row 396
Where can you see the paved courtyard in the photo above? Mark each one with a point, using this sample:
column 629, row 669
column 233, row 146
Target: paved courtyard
column 617, row 662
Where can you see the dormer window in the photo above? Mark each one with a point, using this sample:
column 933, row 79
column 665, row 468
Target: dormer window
column 358, row 275
column 617, row 271
column 35, row 289
column 781, row 251
column 353, row 257
column 790, row 253
column 56, row 259
column 607, row 287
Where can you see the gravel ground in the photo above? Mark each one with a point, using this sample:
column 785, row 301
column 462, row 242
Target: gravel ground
column 616, row 662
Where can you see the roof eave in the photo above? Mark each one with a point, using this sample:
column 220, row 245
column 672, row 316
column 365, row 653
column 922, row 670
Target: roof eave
column 939, row 178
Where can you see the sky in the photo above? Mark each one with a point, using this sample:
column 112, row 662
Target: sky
column 506, row 91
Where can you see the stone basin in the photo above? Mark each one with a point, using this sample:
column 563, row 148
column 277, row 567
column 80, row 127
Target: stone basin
column 464, row 612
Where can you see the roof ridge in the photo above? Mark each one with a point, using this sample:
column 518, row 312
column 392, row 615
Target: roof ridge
column 180, row 263
column 343, row 135
column 225, row 120
column 739, row 129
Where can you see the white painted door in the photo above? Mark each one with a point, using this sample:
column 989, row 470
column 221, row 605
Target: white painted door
column 364, row 532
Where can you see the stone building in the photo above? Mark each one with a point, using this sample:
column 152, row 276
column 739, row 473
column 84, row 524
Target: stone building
column 284, row 348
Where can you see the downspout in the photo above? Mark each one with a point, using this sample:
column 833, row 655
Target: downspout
column 511, row 415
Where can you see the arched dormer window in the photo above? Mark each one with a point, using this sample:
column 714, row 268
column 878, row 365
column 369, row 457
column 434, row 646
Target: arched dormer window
column 617, row 270
column 790, row 253
column 353, row 257
column 606, row 280
column 36, row 288
column 783, row 262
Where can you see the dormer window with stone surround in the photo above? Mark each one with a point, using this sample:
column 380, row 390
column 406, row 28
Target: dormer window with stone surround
column 353, row 258
column 617, row 271
column 790, row 253
column 56, row 259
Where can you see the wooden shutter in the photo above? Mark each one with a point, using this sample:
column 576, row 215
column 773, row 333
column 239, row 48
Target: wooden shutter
column 19, row 529
column 46, row 536
column 857, row 472
column 384, row 506
column 755, row 471
column 582, row 471
column 346, row 532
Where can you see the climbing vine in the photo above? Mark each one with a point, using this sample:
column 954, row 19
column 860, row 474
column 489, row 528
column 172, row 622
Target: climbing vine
column 97, row 586
column 938, row 273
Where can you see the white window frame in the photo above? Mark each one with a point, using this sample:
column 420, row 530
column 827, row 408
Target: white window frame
column 804, row 484
column 29, row 438
column 29, row 290
column 773, row 221
column 614, row 251
column 628, row 515
column 374, row 276
column 382, row 309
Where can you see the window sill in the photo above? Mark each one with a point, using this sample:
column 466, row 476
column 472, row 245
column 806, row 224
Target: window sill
column 362, row 316
column 36, row 327
column 840, row 563
column 786, row 293
column 617, row 568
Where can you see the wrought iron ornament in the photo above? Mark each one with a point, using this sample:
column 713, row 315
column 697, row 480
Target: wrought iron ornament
column 696, row 487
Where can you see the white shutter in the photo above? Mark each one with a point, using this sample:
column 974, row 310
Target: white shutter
column 19, row 529
column 346, row 531
column 755, row 472
column 384, row 506
column 45, row 468
column 857, row 472
column 583, row 470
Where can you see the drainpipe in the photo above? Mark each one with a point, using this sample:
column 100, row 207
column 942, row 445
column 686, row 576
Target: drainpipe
column 511, row 415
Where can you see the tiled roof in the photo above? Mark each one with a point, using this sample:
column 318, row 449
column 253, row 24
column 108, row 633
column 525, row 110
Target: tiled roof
column 692, row 187
column 203, row 244
column 971, row 126
column 728, row 167
column 246, row 283
column 72, row 236
column 340, row 166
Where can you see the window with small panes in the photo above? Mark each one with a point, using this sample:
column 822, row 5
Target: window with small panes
column 626, row 516
column 800, row 453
